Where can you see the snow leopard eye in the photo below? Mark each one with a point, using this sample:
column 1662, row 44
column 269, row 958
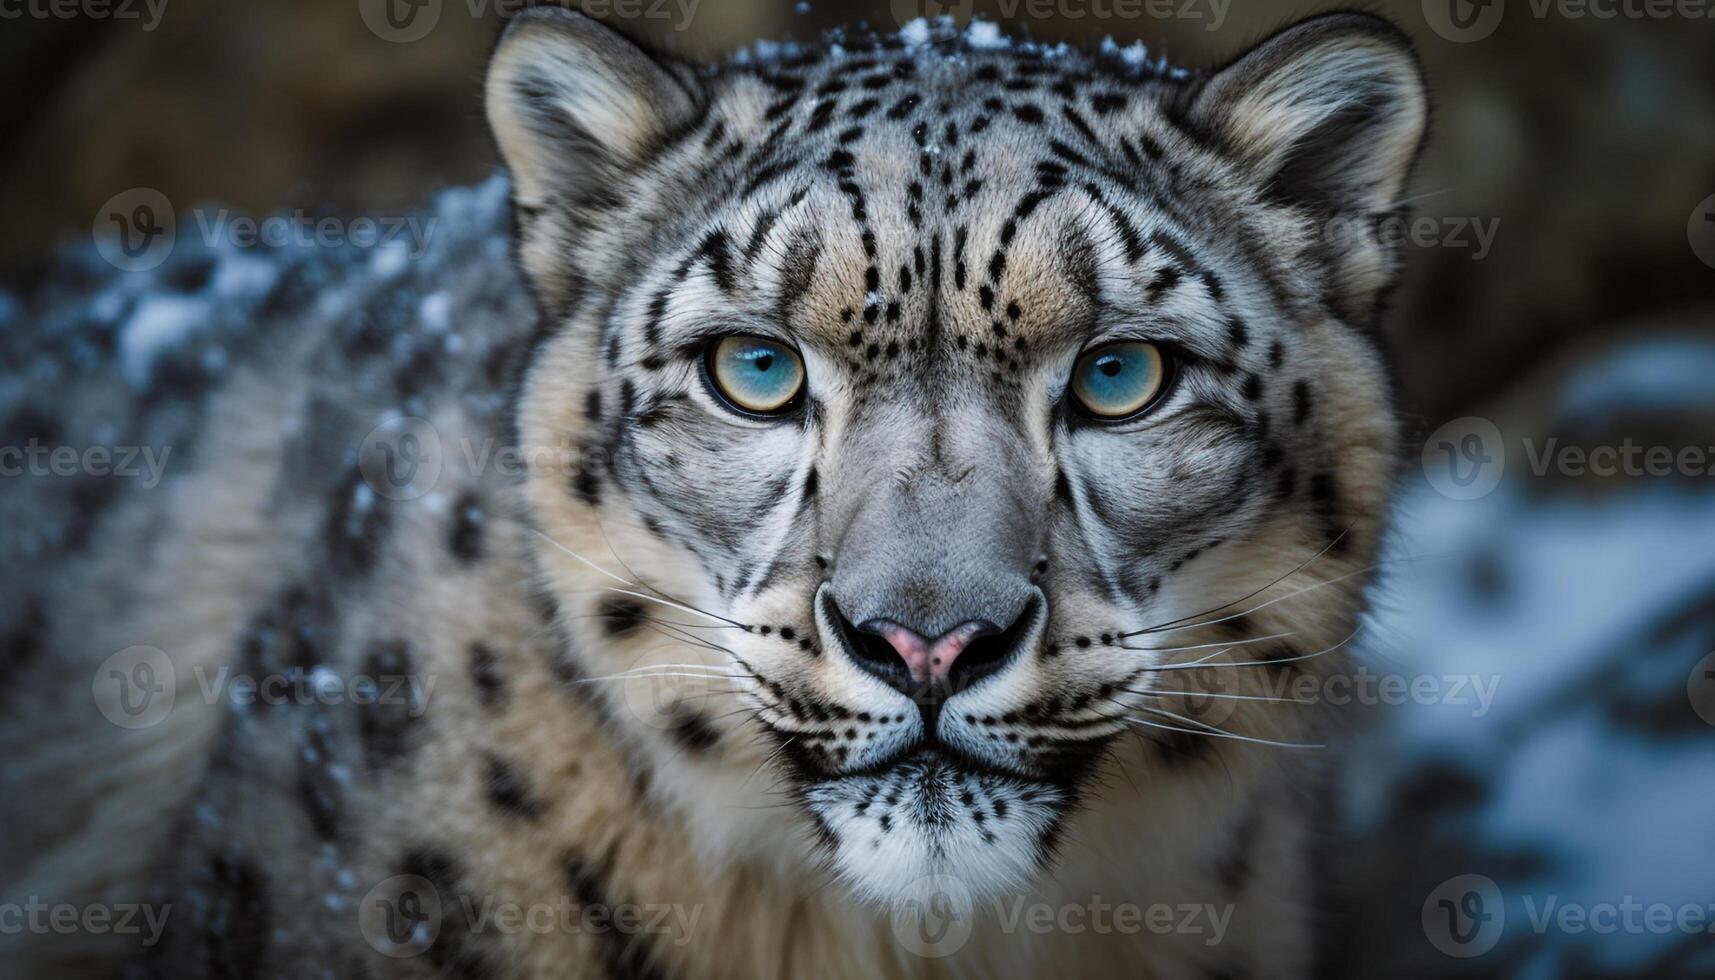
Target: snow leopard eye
column 1119, row 380
column 754, row 375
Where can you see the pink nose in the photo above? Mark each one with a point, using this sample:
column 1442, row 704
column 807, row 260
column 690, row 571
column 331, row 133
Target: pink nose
column 926, row 659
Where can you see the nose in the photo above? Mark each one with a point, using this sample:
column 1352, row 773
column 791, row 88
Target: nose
column 939, row 667
column 930, row 660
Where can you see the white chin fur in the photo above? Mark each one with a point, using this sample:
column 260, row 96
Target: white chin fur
column 925, row 819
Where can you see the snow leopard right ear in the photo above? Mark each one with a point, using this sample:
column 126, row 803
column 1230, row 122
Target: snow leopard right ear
column 573, row 105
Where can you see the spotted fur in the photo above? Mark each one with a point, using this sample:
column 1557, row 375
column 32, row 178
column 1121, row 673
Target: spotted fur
column 644, row 690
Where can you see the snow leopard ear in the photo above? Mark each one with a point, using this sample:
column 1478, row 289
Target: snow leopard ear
column 1331, row 112
column 573, row 106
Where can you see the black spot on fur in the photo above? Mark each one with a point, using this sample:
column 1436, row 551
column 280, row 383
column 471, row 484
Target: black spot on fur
column 456, row 951
column 485, row 675
column 318, row 790
column 466, row 537
column 1181, row 749
column 22, row 643
column 509, row 791
column 625, row 957
column 385, row 722
column 587, row 484
column 356, row 525
column 1238, row 333
column 1300, row 402
column 620, row 616
column 693, row 732
column 239, row 918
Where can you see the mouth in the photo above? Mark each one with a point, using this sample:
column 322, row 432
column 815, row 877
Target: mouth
column 930, row 813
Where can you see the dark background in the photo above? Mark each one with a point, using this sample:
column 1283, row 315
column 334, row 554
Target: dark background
column 1587, row 142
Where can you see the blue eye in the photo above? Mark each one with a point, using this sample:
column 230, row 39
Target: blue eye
column 755, row 374
column 1119, row 379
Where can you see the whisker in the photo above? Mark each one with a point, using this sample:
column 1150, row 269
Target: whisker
column 1211, row 694
column 1200, row 665
column 1162, row 627
column 766, row 761
column 634, row 594
column 1261, row 605
column 1217, row 733
column 1229, row 644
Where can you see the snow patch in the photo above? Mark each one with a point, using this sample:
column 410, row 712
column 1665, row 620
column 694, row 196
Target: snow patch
column 985, row 35
column 160, row 323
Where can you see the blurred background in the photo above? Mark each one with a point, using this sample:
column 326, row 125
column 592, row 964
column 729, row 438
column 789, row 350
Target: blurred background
column 1555, row 337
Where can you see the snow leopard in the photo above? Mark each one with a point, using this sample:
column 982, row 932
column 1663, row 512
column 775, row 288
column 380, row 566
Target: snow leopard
column 846, row 511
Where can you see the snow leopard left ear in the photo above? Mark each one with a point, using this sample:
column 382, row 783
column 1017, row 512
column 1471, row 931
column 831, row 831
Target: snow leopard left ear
column 1330, row 115
column 1331, row 111
column 574, row 106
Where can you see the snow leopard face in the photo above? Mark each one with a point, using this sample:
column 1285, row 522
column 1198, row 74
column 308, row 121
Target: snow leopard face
column 944, row 410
